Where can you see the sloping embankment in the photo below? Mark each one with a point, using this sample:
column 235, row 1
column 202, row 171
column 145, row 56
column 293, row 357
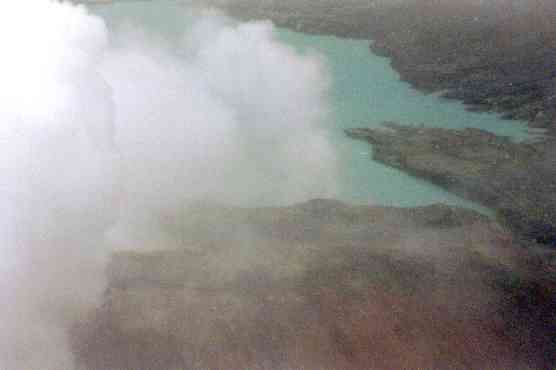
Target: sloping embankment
column 326, row 285
column 496, row 55
column 516, row 179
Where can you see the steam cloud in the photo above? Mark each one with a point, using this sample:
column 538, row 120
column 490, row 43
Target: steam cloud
column 101, row 131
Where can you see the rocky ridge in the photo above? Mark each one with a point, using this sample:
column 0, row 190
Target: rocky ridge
column 494, row 55
column 516, row 179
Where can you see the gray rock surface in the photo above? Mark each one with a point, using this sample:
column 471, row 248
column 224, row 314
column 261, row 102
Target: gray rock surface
column 496, row 55
column 516, row 179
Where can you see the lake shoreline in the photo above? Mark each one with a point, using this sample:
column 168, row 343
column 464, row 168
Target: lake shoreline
column 325, row 284
column 454, row 50
column 515, row 179
column 471, row 54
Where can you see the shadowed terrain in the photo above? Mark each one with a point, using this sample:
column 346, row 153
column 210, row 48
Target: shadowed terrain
column 109, row 132
column 516, row 179
column 493, row 55
column 325, row 285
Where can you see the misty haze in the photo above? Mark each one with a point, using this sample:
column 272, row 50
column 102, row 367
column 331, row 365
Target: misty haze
column 264, row 184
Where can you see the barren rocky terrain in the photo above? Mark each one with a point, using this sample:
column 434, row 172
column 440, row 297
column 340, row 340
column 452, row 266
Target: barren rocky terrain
column 326, row 285
column 494, row 55
column 516, row 179
column 323, row 284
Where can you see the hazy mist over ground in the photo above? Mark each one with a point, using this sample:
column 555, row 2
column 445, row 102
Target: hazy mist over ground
column 57, row 177
column 181, row 146
column 99, row 129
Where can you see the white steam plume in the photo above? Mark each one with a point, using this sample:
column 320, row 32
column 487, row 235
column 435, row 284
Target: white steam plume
column 57, row 178
column 98, row 131
column 236, row 106
column 219, row 112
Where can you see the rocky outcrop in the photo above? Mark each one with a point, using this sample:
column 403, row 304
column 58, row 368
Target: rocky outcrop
column 496, row 55
column 516, row 179
column 348, row 18
column 325, row 285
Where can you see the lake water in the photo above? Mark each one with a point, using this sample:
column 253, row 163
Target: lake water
column 365, row 92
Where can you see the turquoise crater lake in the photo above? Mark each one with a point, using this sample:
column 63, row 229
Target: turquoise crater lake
column 365, row 92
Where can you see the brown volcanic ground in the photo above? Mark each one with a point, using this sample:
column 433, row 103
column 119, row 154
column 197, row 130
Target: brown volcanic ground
column 323, row 285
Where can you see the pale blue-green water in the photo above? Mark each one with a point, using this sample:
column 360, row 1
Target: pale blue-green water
column 365, row 92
